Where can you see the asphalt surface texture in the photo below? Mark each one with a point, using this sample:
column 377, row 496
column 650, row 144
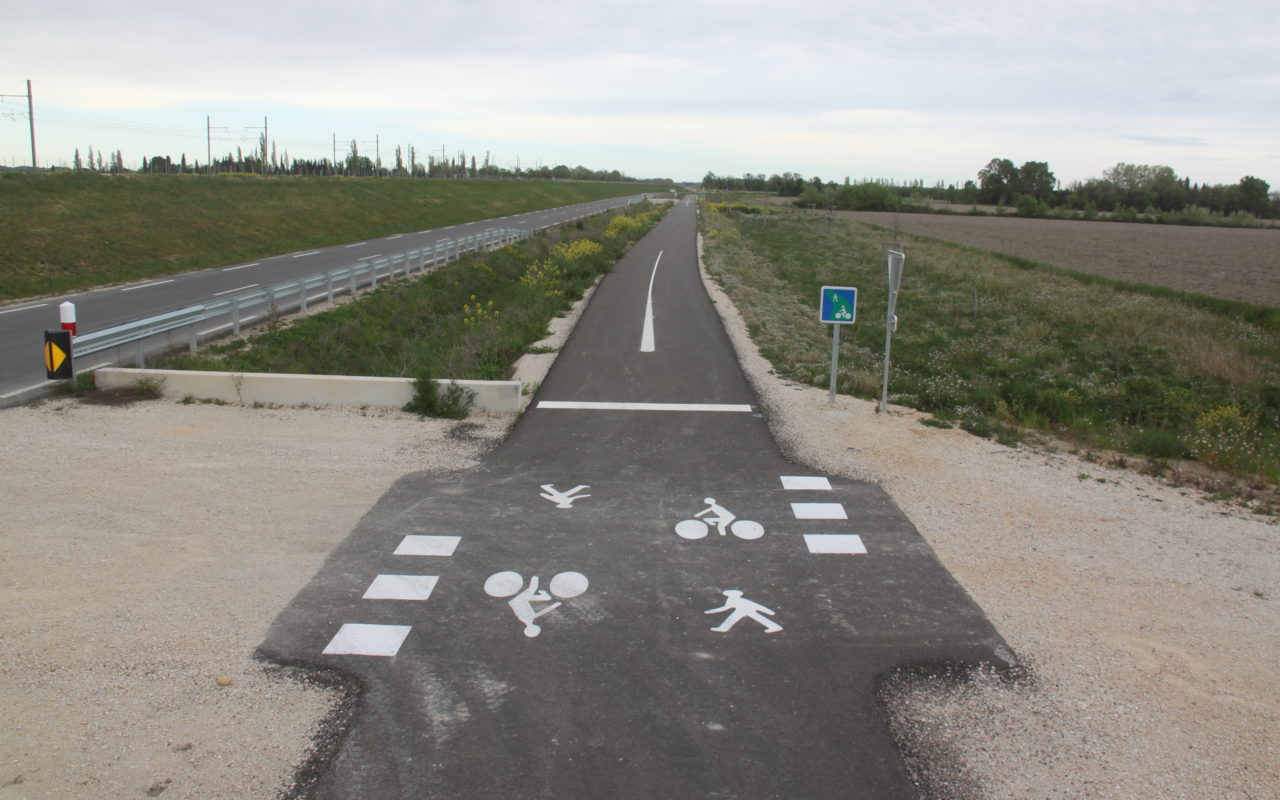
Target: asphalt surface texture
column 22, row 325
column 636, row 595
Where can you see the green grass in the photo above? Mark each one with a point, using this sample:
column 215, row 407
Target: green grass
column 470, row 319
column 68, row 231
column 999, row 345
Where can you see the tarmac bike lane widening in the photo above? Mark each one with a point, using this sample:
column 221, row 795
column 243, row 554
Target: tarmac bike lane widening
column 636, row 595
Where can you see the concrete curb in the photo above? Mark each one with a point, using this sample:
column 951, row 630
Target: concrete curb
column 491, row 397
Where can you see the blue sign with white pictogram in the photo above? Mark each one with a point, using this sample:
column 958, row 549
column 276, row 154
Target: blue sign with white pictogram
column 839, row 304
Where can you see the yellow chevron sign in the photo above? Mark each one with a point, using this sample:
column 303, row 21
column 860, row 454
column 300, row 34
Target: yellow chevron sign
column 57, row 354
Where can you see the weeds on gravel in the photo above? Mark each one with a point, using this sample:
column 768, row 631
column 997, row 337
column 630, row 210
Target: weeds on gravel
column 999, row 345
column 432, row 400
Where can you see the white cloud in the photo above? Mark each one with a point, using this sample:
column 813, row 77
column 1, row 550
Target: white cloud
column 909, row 89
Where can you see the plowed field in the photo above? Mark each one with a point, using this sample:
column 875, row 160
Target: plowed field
column 1232, row 263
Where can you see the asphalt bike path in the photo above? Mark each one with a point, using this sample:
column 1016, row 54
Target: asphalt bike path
column 636, row 595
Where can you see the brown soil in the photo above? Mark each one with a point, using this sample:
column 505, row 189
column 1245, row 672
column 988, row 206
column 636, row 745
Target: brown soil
column 1232, row 263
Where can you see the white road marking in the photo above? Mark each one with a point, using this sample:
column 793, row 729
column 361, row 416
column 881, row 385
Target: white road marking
column 798, row 483
column 401, row 587
column 576, row 406
column 242, row 266
column 24, row 308
column 231, row 291
column 646, row 339
column 356, row 639
column 357, row 244
column 304, row 255
column 837, row 544
column 32, row 387
column 819, row 511
column 416, row 545
column 148, row 285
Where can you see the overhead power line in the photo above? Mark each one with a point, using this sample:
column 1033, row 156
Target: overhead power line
column 31, row 116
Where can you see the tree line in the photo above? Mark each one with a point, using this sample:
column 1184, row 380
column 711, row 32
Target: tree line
column 355, row 164
column 1126, row 191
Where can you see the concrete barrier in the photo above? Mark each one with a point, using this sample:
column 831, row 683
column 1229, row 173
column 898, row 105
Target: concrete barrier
column 491, row 397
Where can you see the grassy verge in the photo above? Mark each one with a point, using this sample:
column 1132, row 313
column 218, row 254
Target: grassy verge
column 470, row 319
column 999, row 345
column 69, row 231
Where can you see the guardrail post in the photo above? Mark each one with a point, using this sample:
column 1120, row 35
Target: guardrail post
column 354, row 267
column 235, row 316
column 328, row 287
column 302, row 295
column 373, row 275
column 195, row 342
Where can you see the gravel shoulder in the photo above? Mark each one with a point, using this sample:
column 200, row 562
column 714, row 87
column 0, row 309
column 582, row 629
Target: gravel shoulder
column 145, row 549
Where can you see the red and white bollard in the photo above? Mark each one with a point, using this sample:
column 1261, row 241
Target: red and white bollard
column 67, row 315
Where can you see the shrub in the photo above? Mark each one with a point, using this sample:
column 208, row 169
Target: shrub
column 1225, row 438
column 454, row 402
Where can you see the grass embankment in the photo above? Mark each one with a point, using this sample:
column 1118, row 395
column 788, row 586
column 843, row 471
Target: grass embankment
column 68, row 231
column 999, row 345
column 470, row 319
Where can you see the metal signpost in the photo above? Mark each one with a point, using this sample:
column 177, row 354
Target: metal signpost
column 839, row 306
column 896, row 261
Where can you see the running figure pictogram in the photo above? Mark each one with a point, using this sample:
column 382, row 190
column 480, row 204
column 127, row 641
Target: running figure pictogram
column 743, row 608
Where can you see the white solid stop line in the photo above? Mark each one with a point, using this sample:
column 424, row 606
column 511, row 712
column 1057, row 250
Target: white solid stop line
column 646, row 339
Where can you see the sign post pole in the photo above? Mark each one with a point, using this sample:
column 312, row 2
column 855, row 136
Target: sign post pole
column 896, row 261
column 835, row 357
column 838, row 306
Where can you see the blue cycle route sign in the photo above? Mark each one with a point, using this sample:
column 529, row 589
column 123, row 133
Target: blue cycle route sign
column 839, row 304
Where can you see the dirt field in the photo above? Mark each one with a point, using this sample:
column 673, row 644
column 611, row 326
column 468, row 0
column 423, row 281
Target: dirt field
column 1233, row 263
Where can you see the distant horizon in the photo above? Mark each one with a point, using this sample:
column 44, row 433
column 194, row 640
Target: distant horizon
column 921, row 183
column 918, row 91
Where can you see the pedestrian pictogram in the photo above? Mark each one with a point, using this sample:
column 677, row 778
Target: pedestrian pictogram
column 57, row 355
column 511, row 584
column 743, row 608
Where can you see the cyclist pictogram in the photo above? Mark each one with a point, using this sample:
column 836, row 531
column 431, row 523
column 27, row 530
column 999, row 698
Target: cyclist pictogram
column 563, row 586
column 726, row 522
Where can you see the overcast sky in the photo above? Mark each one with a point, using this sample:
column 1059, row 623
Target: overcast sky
column 661, row 88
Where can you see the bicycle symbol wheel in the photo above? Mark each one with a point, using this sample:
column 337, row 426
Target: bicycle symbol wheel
column 692, row 529
column 697, row 529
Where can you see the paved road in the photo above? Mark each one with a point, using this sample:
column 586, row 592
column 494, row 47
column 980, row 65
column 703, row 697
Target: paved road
column 22, row 326
column 567, row 620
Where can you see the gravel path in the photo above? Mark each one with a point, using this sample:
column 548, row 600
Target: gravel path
column 145, row 549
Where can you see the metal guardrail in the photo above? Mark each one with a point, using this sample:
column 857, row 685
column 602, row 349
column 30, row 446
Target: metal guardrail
column 292, row 295
column 108, row 338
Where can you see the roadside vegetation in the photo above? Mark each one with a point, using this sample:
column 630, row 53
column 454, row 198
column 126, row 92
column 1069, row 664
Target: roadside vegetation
column 69, row 231
column 469, row 319
column 1003, row 346
column 1124, row 193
